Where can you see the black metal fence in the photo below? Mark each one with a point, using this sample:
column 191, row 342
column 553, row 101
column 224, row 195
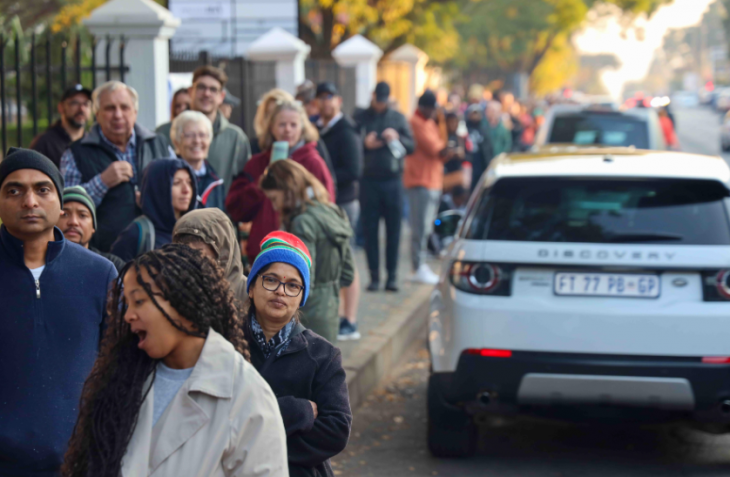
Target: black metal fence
column 343, row 77
column 247, row 80
column 36, row 70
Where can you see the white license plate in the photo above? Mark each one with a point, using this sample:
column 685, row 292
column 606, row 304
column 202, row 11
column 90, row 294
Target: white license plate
column 607, row 284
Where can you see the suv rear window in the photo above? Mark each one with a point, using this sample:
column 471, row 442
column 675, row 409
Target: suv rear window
column 608, row 129
column 602, row 211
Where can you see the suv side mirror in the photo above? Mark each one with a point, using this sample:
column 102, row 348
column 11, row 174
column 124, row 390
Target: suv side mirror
column 447, row 224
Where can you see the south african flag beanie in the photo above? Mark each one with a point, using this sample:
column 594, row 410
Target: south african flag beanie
column 285, row 248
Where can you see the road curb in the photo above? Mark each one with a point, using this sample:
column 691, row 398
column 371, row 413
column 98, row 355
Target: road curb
column 381, row 350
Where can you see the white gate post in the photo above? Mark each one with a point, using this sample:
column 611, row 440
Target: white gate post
column 363, row 54
column 289, row 53
column 417, row 60
column 146, row 28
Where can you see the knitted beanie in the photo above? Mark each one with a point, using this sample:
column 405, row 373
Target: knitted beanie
column 79, row 194
column 18, row 158
column 285, row 248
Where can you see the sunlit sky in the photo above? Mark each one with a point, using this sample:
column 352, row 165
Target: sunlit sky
column 636, row 56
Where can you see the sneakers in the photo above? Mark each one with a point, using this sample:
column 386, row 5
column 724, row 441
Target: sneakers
column 391, row 285
column 424, row 275
column 373, row 287
column 348, row 331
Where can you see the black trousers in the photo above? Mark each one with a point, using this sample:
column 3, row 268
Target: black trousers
column 381, row 198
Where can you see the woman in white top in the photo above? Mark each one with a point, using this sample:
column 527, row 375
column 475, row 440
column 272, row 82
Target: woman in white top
column 172, row 392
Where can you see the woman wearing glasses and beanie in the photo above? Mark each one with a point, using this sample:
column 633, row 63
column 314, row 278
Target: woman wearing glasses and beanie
column 303, row 369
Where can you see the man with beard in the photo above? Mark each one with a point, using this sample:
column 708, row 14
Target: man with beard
column 75, row 111
column 78, row 221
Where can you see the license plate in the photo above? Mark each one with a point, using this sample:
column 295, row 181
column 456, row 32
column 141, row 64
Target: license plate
column 627, row 285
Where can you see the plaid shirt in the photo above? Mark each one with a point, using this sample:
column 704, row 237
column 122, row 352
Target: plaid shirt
column 96, row 187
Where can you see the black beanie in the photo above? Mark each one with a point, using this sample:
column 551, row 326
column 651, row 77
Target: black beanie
column 427, row 99
column 19, row 158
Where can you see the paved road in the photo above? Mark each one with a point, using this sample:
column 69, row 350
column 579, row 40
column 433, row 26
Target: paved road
column 388, row 438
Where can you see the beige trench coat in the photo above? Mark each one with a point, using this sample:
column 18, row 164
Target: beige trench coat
column 224, row 421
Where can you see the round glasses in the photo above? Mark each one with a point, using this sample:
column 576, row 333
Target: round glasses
column 272, row 284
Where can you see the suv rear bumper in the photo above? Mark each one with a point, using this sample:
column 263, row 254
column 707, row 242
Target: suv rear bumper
column 580, row 386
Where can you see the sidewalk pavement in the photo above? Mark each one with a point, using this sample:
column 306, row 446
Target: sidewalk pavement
column 389, row 323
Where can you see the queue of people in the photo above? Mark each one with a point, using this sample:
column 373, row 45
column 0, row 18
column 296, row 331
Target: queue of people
column 177, row 294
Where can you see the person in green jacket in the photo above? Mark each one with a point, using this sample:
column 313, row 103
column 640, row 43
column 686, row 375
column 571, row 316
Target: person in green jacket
column 307, row 212
column 230, row 149
column 498, row 133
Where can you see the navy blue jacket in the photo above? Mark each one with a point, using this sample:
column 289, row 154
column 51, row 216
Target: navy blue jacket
column 156, row 195
column 48, row 345
column 210, row 189
column 310, row 369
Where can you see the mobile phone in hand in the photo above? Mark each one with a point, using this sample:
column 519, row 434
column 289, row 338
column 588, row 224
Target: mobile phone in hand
column 279, row 151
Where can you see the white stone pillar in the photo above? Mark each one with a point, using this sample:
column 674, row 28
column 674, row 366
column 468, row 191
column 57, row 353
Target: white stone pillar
column 289, row 53
column 417, row 60
column 364, row 55
column 146, row 28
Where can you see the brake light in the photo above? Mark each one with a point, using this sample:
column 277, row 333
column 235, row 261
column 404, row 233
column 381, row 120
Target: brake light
column 481, row 278
column 489, row 353
column 716, row 359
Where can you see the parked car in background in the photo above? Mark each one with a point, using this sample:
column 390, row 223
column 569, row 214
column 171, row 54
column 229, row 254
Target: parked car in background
column 722, row 100
column 725, row 133
column 583, row 286
column 597, row 126
column 686, row 99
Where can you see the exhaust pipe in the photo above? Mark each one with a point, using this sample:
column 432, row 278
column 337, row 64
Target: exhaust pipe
column 486, row 398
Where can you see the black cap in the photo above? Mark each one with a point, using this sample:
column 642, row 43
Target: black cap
column 18, row 158
column 327, row 88
column 382, row 92
column 427, row 99
column 230, row 99
column 74, row 90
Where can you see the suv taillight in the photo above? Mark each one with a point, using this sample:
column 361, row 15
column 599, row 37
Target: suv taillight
column 716, row 285
column 482, row 278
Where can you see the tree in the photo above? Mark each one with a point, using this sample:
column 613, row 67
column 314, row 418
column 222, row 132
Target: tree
column 429, row 24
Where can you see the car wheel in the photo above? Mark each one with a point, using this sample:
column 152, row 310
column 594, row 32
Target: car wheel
column 451, row 431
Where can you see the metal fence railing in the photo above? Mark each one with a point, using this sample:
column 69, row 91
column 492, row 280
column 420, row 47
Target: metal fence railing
column 36, row 70
column 247, row 80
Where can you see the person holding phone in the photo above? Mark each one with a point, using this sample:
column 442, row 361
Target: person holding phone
column 246, row 201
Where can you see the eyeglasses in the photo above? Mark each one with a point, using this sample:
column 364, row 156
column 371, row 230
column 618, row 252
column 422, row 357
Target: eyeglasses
column 201, row 88
column 200, row 135
column 272, row 284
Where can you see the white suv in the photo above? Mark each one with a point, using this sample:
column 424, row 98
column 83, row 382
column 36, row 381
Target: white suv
column 589, row 284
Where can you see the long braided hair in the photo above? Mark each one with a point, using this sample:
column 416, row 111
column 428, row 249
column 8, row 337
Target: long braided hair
column 114, row 391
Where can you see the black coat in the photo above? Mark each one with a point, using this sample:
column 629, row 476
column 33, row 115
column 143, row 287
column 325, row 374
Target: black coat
column 310, row 369
column 380, row 163
column 482, row 152
column 345, row 148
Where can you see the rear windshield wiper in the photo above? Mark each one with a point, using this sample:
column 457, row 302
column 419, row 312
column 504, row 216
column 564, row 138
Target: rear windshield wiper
column 644, row 237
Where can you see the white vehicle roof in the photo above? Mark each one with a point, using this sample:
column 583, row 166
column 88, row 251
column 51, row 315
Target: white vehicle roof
column 573, row 161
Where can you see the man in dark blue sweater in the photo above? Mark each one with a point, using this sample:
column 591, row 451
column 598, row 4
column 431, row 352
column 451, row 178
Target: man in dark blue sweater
column 52, row 307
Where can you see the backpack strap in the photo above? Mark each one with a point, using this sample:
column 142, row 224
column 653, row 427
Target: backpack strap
column 146, row 239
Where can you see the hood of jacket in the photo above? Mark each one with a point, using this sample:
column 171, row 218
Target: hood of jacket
column 333, row 220
column 213, row 227
column 156, row 191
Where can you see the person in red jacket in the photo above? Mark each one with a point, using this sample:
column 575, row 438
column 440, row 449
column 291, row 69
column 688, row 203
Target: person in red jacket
column 668, row 129
column 246, row 202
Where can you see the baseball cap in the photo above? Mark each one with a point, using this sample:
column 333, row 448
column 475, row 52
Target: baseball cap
column 428, row 99
column 327, row 88
column 382, row 92
column 74, row 90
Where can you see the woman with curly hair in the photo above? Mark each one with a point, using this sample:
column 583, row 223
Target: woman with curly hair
column 303, row 369
column 172, row 392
